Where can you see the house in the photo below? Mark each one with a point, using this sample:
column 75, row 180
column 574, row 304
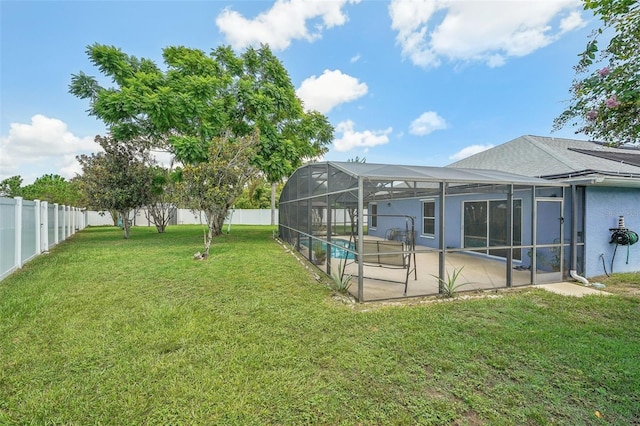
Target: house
column 604, row 180
column 530, row 211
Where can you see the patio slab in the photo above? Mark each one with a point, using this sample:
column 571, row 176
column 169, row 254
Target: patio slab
column 571, row 289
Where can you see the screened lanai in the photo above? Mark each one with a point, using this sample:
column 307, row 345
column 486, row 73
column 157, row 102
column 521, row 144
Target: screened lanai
column 403, row 231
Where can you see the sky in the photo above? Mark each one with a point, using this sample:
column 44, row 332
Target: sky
column 419, row 82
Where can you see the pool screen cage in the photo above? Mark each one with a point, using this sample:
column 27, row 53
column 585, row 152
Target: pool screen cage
column 404, row 231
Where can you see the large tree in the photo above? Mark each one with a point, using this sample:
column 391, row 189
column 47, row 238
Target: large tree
column 212, row 186
column 605, row 102
column 119, row 179
column 162, row 203
column 201, row 98
column 53, row 189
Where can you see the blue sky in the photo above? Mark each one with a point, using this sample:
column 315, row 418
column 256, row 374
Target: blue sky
column 405, row 82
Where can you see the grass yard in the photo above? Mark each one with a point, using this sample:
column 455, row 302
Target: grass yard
column 108, row 331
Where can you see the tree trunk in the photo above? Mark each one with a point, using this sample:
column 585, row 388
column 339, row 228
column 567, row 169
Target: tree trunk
column 126, row 224
column 160, row 215
column 209, row 236
column 215, row 223
column 273, row 203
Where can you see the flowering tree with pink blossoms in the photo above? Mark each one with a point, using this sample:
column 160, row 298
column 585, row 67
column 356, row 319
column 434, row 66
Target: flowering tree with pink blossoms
column 605, row 102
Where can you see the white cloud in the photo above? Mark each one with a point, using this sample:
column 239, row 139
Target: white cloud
column 329, row 90
column 427, row 123
column 284, row 22
column 41, row 147
column 351, row 139
column 485, row 31
column 355, row 58
column 572, row 22
column 469, row 151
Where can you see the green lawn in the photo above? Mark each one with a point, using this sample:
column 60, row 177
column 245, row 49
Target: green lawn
column 108, row 331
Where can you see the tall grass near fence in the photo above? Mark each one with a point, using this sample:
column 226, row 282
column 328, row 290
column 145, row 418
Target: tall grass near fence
column 111, row 331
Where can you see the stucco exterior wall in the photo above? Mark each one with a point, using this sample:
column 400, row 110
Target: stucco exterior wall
column 603, row 207
column 453, row 217
column 547, row 227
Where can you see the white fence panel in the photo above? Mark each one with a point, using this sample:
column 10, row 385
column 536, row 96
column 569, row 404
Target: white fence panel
column 51, row 225
column 27, row 228
column 250, row 217
column 7, row 236
column 188, row 217
column 99, row 219
column 28, row 234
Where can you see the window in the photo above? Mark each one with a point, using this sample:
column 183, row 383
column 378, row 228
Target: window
column 373, row 216
column 428, row 217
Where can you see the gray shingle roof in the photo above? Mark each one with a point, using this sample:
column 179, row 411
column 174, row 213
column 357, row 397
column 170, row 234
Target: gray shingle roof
column 539, row 156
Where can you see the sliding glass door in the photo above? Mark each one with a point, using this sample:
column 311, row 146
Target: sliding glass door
column 485, row 225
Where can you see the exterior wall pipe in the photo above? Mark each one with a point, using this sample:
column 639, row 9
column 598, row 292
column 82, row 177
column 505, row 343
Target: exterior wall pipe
column 574, row 239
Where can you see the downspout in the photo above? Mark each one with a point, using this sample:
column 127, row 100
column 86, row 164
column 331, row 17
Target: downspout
column 574, row 239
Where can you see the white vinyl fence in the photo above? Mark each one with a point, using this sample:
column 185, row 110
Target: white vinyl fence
column 188, row 217
column 28, row 228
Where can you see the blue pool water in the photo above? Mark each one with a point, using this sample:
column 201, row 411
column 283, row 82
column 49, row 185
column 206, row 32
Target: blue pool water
column 338, row 248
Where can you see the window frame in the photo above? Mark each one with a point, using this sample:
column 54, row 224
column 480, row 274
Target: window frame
column 373, row 216
column 424, row 218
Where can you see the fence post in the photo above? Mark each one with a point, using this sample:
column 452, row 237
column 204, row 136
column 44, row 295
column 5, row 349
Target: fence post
column 56, row 223
column 38, row 226
column 18, row 233
column 64, row 222
column 44, row 220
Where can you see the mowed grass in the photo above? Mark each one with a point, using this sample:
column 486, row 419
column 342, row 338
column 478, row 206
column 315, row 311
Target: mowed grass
column 108, row 331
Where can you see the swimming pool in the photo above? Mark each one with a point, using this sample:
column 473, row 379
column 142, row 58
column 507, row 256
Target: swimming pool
column 338, row 247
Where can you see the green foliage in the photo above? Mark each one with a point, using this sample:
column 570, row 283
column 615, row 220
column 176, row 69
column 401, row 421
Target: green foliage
column 340, row 282
column 449, row 287
column 54, row 189
column 605, row 102
column 163, row 199
column 213, row 185
column 202, row 97
column 319, row 253
column 120, row 178
column 10, row 187
column 51, row 188
column 256, row 194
